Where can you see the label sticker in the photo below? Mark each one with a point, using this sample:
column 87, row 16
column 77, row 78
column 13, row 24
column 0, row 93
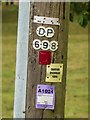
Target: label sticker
column 54, row 73
column 45, row 97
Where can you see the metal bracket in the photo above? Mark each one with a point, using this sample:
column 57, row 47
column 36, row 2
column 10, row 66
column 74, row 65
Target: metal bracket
column 46, row 20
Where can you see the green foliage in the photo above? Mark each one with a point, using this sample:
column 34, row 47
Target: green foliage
column 82, row 10
column 83, row 20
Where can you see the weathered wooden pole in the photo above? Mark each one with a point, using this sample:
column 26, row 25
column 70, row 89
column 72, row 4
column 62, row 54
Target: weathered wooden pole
column 0, row 60
column 37, row 72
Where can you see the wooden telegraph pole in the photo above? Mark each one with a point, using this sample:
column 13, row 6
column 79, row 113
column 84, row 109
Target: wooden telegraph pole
column 36, row 71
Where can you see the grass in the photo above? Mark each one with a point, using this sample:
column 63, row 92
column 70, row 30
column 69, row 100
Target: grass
column 9, row 31
column 77, row 75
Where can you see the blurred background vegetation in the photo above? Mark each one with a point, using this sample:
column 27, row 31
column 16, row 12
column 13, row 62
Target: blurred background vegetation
column 77, row 74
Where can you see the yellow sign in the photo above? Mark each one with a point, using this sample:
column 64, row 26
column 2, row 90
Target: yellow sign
column 54, row 72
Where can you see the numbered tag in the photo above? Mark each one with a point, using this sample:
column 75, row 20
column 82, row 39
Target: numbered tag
column 54, row 73
column 45, row 45
column 42, row 31
column 36, row 44
column 53, row 45
column 45, row 97
column 49, row 32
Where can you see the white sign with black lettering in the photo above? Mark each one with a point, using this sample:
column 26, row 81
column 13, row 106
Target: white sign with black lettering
column 49, row 32
column 53, row 45
column 45, row 45
column 36, row 44
column 42, row 31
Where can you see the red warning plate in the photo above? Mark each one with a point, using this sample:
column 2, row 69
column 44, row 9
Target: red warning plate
column 44, row 57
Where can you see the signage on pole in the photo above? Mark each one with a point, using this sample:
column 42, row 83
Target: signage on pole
column 54, row 72
column 45, row 97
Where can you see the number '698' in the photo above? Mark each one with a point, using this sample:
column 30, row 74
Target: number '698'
column 45, row 45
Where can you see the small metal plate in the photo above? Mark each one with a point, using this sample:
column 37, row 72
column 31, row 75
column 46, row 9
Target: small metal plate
column 46, row 20
column 54, row 73
column 44, row 57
